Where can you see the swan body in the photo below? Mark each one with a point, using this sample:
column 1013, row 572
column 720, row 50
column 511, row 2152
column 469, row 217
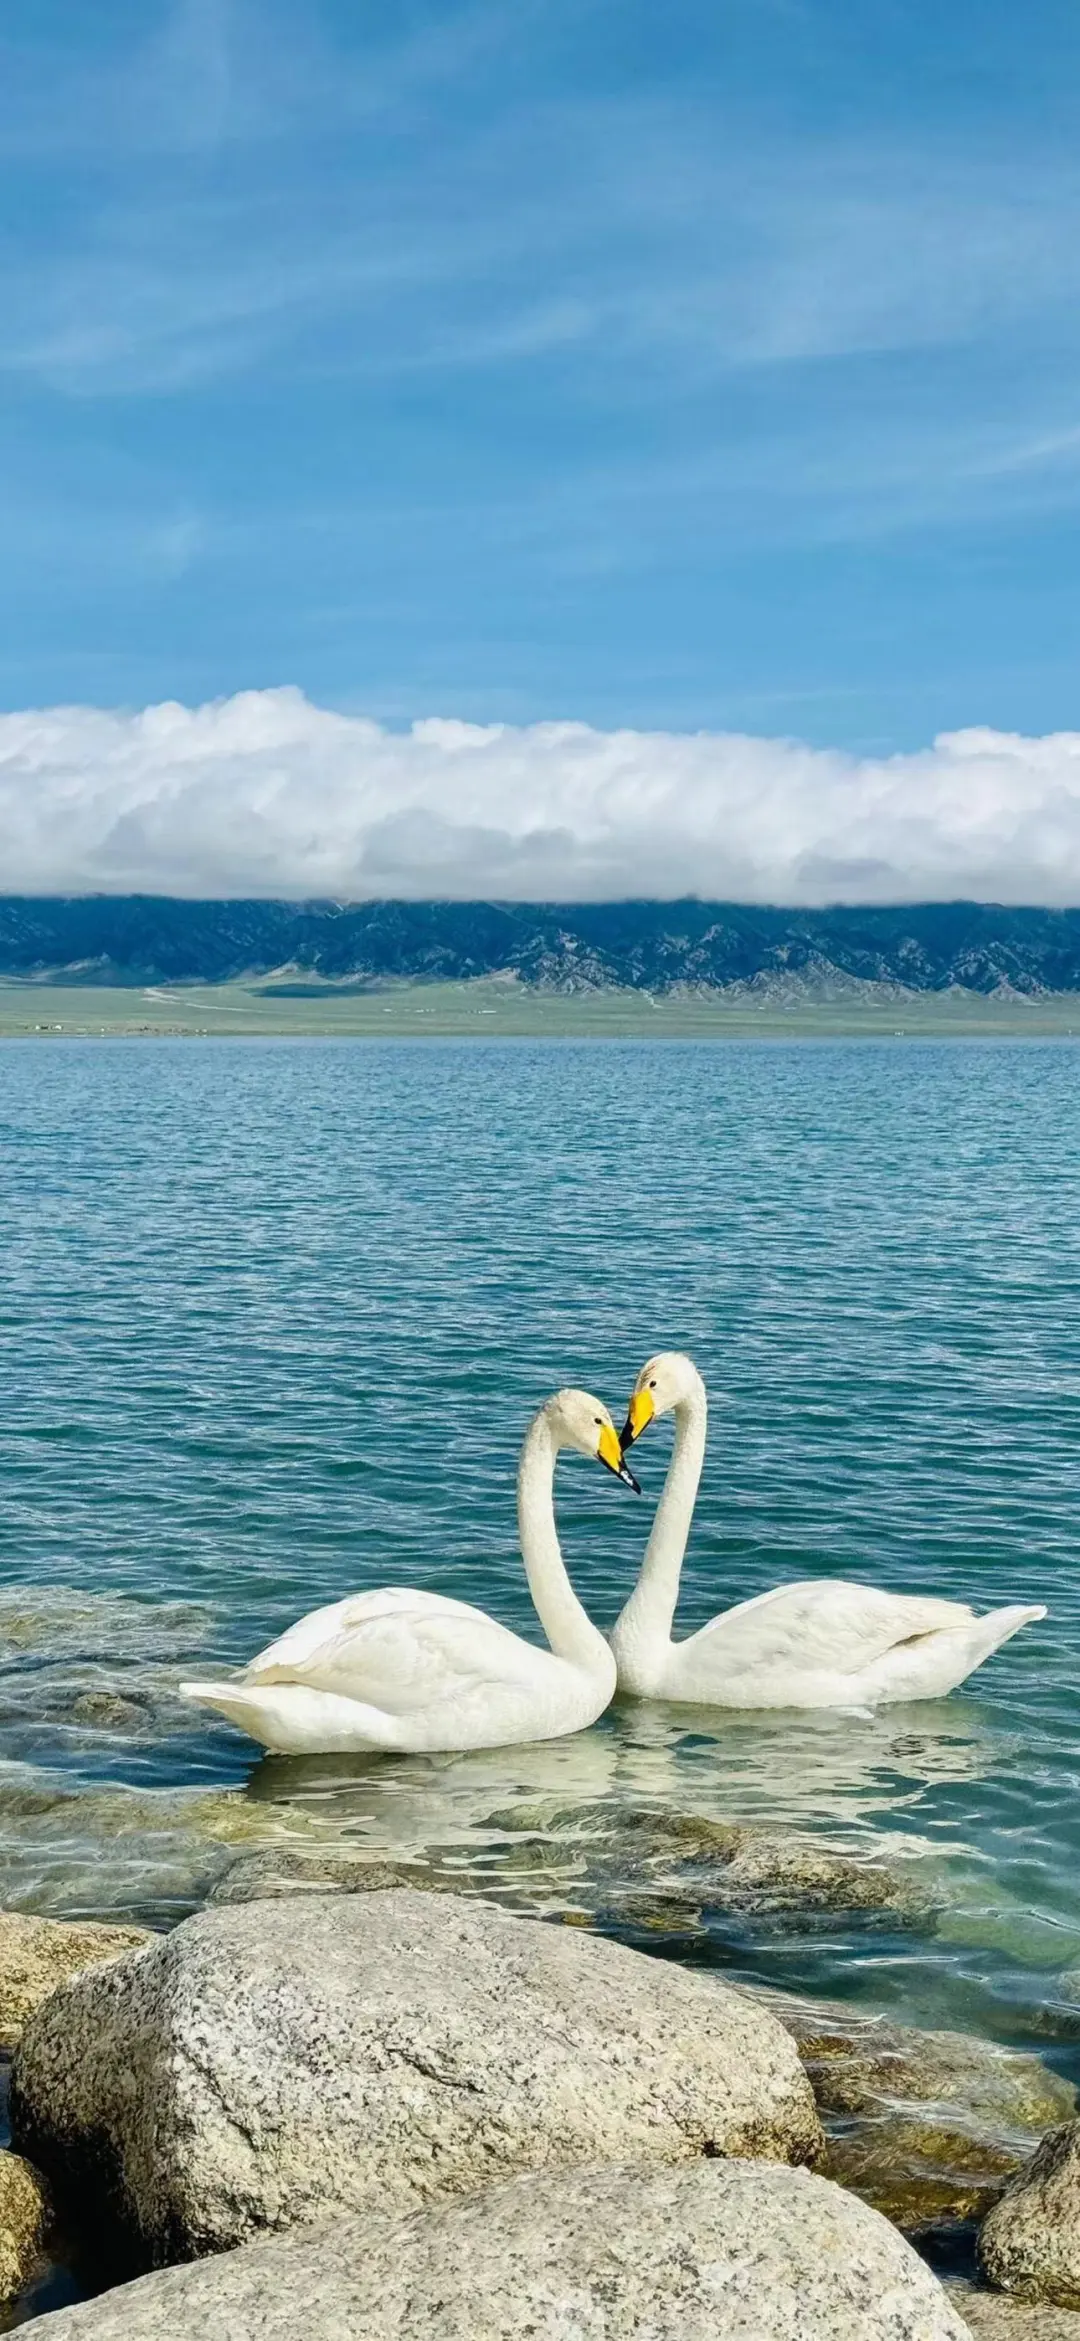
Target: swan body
column 822, row 1643
column 410, row 1671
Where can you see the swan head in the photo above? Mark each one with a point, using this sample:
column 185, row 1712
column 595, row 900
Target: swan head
column 668, row 1380
column 578, row 1421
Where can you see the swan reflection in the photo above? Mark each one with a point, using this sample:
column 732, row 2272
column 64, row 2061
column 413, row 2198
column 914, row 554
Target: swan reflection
column 842, row 1775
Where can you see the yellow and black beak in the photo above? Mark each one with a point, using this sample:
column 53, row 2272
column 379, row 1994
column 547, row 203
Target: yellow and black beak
column 640, row 1416
column 610, row 1452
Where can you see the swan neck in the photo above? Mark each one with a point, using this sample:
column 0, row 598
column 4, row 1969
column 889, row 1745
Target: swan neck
column 569, row 1630
column 642, row 1637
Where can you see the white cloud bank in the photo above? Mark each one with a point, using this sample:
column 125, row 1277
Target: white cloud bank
column 265, row 794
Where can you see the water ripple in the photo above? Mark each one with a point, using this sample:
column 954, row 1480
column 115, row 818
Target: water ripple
column 273, row 1317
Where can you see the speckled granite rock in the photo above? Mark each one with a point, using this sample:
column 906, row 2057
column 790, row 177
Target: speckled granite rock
column 37, row 1954
column 24, row 2210
column 265, row 2062
column 1029, row 2244
column 711, row 2251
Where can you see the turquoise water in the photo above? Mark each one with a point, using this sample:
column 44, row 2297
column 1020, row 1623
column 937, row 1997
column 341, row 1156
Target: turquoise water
column 273, row 1317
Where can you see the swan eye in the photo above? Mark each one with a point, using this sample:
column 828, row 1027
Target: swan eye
column 652, row 1384
column 599, row 1421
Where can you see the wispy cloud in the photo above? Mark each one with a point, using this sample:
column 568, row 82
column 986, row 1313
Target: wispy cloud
column 417, row 203
column 559, row 340
column 266, row 794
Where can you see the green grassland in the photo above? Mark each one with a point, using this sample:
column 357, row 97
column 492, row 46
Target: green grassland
column 488, row 1008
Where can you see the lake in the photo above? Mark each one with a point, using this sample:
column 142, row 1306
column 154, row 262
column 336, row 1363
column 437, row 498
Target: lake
column 274, row 1316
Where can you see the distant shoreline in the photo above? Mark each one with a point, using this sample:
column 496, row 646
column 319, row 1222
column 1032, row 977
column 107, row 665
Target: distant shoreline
column 486, row 1008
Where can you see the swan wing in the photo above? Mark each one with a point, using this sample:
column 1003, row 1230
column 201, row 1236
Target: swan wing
column 322, row 1629
column 823, row 1624
column 400, row 1651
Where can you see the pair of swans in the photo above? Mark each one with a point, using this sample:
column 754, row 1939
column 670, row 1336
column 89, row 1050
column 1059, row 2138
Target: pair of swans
column 412, row 1672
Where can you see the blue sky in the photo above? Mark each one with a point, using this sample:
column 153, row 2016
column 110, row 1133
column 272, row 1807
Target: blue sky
column 706, row 364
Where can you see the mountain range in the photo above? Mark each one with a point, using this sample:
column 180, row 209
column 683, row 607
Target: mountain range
column 643, row 946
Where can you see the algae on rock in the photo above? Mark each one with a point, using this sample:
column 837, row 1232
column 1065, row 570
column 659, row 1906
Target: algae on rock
column 284, row 1869
column 928, row 2126
column 24, row 2213
column 39, row 1954
column 611, row 1855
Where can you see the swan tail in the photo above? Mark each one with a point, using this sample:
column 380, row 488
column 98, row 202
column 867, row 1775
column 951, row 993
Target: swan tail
column 235, row 1700
column 294, row 1720
column 931, row 1664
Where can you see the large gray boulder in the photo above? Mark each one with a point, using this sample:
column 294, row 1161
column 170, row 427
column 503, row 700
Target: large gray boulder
column 713, row 2251
column 266, row 2062
column 1030, row 2242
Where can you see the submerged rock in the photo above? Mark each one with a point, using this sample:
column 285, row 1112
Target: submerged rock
column 38, row 1954
column 109, row 1711
column 612, row 1852
column 611, row 1866
column 857, row 2061
column 927, row 2126
column 256, row 2066
column 778, row 1871
column 922, row 2175
column 1030, row 2242
column 24, row 2212
column 710, row 2252
column 992, row 2316
column 281, row 1870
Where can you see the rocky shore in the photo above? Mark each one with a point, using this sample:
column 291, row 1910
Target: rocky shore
column 339, row 2101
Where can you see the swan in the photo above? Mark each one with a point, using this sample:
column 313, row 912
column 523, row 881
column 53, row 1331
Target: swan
column 822, row 1643
column 407, row 1671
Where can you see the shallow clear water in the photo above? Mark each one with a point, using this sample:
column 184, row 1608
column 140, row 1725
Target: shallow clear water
column 273, row 1317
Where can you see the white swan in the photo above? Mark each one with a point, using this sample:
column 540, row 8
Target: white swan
column 415, row 1671
column 822, row 1643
